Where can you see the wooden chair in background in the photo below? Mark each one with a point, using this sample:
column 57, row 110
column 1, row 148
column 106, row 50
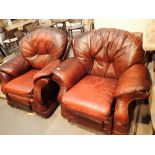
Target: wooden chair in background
column 75, row 24
column 19, row 35
column 10, row 39
column 30, row 27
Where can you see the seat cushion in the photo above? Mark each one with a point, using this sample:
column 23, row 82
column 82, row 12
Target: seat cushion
column 22, row 85
column 92, row 97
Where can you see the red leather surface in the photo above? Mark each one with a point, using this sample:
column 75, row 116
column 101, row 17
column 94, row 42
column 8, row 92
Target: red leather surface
column 43, row 45
column 16, row 66
column 69, row 72
column 133, row 80
column 17, row 98
column 47, row 70
column 22, row 85
column 92, row 96
column 108, row 52
column 5, row 78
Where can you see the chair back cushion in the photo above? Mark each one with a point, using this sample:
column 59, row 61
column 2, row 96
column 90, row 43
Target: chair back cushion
column 108, row 52
column 42, row 46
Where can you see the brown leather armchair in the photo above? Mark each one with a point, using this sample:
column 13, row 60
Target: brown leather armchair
column 99, row 83
column 26, row 79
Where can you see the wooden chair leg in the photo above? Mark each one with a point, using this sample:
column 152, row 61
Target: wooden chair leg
column 81, row 30
column 71, row 33
column 6, row 48
column 1, row 50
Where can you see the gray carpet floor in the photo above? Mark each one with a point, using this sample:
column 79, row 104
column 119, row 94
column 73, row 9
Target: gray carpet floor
column 18, row 122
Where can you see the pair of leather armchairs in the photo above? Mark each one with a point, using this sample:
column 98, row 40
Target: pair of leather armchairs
column 26, row 79
column 94, row 88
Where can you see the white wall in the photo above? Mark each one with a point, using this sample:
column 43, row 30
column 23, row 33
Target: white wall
column 132, row 25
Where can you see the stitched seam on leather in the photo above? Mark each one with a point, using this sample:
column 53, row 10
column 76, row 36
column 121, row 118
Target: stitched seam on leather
column 85, row 115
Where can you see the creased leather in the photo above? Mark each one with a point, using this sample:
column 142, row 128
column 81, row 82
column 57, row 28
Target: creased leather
column 133, row 80
column 108, row 52
column 43, row 45
column 47, row 70
column 70, row 72
column 22, row 85
column 5, row 78
column 16, row 66
column 92, row 96
column 27, row 78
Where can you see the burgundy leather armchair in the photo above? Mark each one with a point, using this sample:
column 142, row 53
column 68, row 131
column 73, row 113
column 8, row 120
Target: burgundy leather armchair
column 26, row 79
column 99, row 83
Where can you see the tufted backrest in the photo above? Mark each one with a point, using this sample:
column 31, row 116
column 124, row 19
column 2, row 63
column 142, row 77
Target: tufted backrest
column 108, row 52
column 42, row 46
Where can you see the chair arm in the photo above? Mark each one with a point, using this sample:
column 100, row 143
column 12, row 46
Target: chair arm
column 46, row 71
column 121, row 113
column 134, row 79
column 40, row 103
column 16, row 66
column 68, row 73
column 5, row 78
column 38, row 87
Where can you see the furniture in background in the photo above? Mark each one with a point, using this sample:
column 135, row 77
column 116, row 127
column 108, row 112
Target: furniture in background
column 19, row 25
column 98, row 85
column 89, row 24
column 19, row 35
column 26, row 80
column 24, row 28
column 2, row 37
column 2, row 50
column 43, row 22
column 149, row 47
column 31, row 27
column 60, row 24
column 149, row 39
column 75, row 24
column 10, row 39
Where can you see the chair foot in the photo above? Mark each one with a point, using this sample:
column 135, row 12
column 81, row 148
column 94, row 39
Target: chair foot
column 120, row 129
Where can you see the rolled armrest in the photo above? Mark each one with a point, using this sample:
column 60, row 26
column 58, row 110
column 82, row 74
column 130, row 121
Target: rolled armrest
column 47, row 70
column 16, row 66
column 5, row 78
column 69, row 72
column 134, row 79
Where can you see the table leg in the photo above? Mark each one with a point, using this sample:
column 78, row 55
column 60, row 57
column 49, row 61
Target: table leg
column 64, row 27
column 2, row 50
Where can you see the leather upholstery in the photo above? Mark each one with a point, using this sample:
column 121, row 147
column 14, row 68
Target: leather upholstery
column 22, row 85
column 107, row 65
column 16, row 66
column 5, row 78
column 133, row 80
column 87, row 98
column 47, row 70
column 67, row 71
column 27, row 78
column 42, row 46
column 108, row 52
